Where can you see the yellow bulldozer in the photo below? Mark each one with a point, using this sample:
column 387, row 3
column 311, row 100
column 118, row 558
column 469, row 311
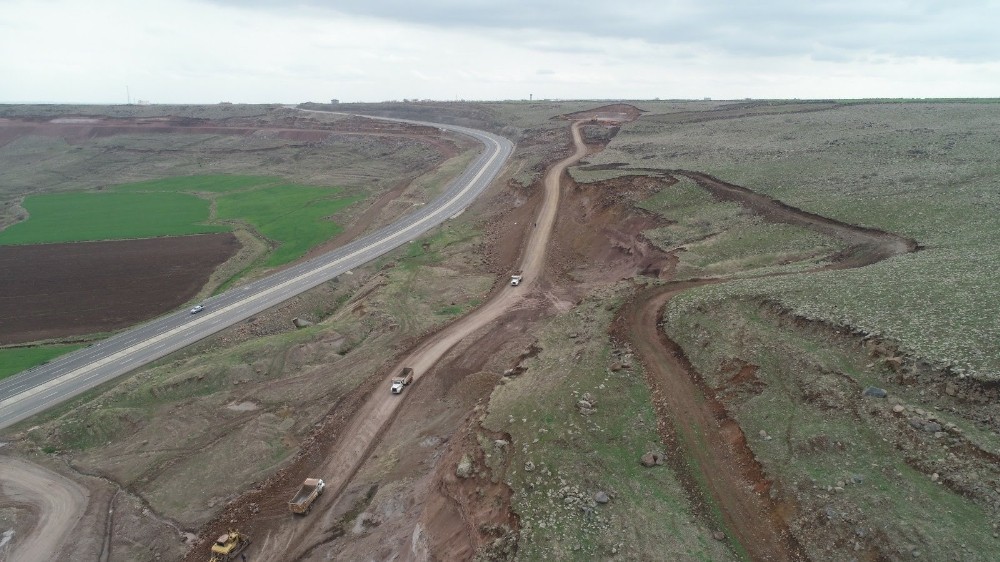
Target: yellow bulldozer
column 228, row 546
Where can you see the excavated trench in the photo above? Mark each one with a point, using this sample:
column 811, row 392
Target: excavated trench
column 725, row 463
column 714, row 442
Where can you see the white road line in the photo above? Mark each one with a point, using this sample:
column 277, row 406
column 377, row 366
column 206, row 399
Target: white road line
column 148, row 344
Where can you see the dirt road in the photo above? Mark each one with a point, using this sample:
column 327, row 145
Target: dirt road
column 57, row 504
column 691, row 415
column 362, row 434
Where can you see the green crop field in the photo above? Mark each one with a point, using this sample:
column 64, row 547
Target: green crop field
column 15, row 360
column 292, row 215
column 77, row 217
column 201, row 184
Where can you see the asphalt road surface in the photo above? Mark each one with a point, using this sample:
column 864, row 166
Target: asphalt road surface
column 37, row 389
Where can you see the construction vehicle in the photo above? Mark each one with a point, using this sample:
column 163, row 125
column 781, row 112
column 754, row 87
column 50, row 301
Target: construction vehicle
column 515, row 280
column 228, row 546
column 400, row 382
column 302, row 502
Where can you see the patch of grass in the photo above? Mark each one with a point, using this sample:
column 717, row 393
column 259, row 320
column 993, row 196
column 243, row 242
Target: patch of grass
column 294, row 216
column 823, row 434
column 722, row 239
column 16, row 359
column 575, row 455
column 101, row 426
column 923, row 169
column 77, row 217
column 217, row 183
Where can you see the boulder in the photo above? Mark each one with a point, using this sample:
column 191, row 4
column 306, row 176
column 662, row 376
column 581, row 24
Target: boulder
column 464, row 468
column 875, row 392
column 652, row 459
column 602, row 497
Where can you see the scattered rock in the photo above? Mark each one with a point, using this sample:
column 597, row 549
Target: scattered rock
column 899, row 408
column 763, row 435
column 529, row 466
column 464, row 468
column 601, row 497
column 950, row 389
column 857, row 478
column 583, row 404
column 875, row 392
column 935, row 477
column 719, row 536
column 616, row 366
column 932, row 427
column 500, row 444
column 652, row 459
column 364, row 522
column 301, row 323
column 894, row 363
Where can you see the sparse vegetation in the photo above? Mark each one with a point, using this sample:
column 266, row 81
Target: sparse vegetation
column 918, row 170
column 912, row 475
column 562, row 456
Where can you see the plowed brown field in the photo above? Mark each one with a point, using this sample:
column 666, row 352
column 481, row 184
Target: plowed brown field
column 57, row 290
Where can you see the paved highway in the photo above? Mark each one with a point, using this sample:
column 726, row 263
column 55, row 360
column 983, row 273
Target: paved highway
column 40, row 388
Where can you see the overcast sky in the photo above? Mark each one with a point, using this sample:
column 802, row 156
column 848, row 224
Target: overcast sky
column 206, row 51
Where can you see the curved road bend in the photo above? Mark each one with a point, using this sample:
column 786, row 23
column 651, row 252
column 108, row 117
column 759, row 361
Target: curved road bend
column 40, row 388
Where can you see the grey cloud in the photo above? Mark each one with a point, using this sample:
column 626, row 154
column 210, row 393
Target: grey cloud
column 832, row 29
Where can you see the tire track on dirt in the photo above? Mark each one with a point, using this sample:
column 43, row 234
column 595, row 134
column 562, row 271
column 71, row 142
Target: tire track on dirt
column 363, row 433
column 693, row 418
column 58, row 502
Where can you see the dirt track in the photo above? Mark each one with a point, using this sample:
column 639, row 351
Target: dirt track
column 360, row 437
column 725, row 460
column 58, row 501
column 690, row 414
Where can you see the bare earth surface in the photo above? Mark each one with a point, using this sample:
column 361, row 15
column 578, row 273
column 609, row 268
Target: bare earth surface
column 404, row 448
column 299, row 537
column 56, row 290
column 58, row 501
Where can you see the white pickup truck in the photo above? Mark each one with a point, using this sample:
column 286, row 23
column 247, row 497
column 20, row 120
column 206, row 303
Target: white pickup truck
column 515, row 280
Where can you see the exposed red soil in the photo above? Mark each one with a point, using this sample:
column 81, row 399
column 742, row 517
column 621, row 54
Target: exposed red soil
column 76, row 130
column 615, row 113
column 735, row 480
column 596, row 240
column 58, row 290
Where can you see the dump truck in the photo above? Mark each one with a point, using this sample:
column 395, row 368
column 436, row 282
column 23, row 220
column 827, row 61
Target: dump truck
column 515, row 280
column 228, row 546
column 303, row 500
column 401, row 381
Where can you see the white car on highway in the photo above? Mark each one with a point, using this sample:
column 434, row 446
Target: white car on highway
column 197, row 309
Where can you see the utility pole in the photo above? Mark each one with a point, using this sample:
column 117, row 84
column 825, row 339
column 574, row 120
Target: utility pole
column 128, row 97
